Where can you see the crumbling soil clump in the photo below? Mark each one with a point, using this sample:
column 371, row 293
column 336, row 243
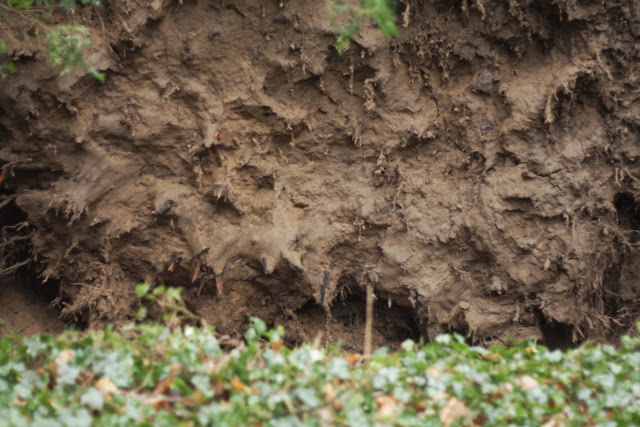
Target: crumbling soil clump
column 480, row 170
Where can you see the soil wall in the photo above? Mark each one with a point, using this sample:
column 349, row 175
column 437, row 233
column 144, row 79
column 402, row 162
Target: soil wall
column 481, row 170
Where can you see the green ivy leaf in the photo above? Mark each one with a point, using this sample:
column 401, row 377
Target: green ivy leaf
column 92, row 398
column 142, row 289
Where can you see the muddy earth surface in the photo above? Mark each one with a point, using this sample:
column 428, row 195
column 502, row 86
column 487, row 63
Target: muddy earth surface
column 481, row 170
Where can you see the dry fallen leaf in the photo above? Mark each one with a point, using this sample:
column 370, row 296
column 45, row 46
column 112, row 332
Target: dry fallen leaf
column 453, row 410
column 421, row 404
column 195, row 400
column 218, row 386
column 19, row 402
column 277, row 345
column 527, row 382
column 491, row 356
column 433, row 372
column 329, row 392
column 237, row 385
column 353, row 357
column 64, row 357
column 554, row 422
column 326, row 416
column 85, row 378
column 163, row 386
column 609, row 414
column 386, row 405
column 107, row 388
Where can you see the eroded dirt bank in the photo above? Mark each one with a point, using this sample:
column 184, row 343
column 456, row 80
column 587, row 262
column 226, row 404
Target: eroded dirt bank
column 481, row 169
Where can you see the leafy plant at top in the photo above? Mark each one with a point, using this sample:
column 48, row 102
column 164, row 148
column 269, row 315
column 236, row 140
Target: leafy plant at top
column 7, row 66
column 46, row 4
column 64, row 43
column 381, row 11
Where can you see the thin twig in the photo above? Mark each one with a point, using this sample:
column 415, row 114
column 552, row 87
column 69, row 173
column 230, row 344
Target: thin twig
column 13, row 240
column 368, row 327
column 15, row 267
column 6, row 201
column 23, row 16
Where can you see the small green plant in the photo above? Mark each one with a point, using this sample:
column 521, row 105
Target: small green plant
column 7, row 66
column 64, row 43
column 381, row 11
column 169, row 300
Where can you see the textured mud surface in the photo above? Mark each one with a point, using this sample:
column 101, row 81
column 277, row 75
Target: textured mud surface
column 481, row 170
column 26, row 311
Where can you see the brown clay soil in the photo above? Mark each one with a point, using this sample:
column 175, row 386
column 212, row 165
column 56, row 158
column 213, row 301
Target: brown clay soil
column 26, row 311
column 481, row 170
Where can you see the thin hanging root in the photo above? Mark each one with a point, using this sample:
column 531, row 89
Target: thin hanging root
column 196, row 272
column 200, row 287
column 368, row 328
column 219, row 285
column 174, row 261
column 6, row 201
column 323, row 286
column 13, row 240
column 15, row 267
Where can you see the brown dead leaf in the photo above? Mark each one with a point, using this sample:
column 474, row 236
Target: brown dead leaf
column 527, row 382
column 277, row 345
column 53, row 403
column 19, row 402
column 491, row 356
column 353, row 357
column 85, row 378
column 583, row 408
column 107, row 388
column 218, row 386
column 421, row 404
column 433, row 372
column 326, row 416
column 553, row 423
column 237, row 385
column 195, row 400
column 329, row 392
column 453, row 410
column 64, row 357
column 162, row 405
column 609, row 414
column 163, row 385
column 386, row 405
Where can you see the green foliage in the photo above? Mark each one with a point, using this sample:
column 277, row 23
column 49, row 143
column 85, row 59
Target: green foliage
column 169, row 300
column 46, row 4
column 64, row 43
column 381, row 11
column 7, row 66
column 150, row 374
